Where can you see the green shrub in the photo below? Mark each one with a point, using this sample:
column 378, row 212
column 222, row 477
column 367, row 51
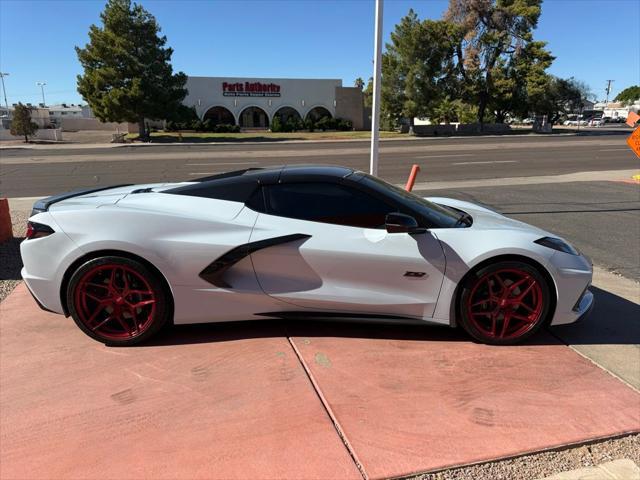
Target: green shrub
column 309, row 124
column 324, row 124
column 342, row 124
column 276, row 125
column 225, row 128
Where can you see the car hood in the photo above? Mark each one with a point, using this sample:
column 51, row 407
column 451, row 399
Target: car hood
column 487, row 219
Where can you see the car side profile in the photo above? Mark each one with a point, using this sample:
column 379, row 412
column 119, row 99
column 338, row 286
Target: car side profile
column 295, row 242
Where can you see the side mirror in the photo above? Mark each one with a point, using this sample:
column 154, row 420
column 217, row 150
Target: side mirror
column 401, row 223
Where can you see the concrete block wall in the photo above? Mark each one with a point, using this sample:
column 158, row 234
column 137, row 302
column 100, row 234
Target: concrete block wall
column 75, row 124
column 350, row 106
column 459, row 129
column 434, row 130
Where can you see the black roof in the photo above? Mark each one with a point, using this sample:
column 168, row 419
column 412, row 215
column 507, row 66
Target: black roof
column 282, row 174
column 238, row 185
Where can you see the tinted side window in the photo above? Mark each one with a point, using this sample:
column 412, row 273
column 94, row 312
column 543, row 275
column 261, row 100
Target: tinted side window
column 326, row 203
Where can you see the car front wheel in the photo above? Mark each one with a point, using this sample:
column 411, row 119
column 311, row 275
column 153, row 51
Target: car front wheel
column 117, row 301
column 504, row 303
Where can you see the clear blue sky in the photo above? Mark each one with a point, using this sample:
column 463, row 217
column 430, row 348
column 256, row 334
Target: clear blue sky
column 593, row 40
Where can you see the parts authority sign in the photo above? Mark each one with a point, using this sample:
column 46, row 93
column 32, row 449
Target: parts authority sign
column 250, row 89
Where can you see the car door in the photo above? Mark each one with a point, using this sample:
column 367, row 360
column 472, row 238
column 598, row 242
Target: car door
column 328, row 250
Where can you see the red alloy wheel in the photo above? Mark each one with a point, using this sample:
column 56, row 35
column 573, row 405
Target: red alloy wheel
column 115, row 302
column 505, row 304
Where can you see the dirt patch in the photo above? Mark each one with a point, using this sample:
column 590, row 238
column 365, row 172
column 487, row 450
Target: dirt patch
column 543, row 464
column 10, row 261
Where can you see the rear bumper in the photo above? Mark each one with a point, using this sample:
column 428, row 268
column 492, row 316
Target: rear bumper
column 36, row 299
column 45, row 261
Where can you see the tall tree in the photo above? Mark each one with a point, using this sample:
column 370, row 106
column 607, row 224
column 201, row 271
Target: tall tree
column 359, row 83
column 515, row 81
column 414, row 67
column 629, row 95
column 557, row 97
column 127, row 70
column 495, row 32
column 368, row 93
column 21, row 124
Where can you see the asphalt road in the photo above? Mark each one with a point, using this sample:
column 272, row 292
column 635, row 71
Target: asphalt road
column 27, row 172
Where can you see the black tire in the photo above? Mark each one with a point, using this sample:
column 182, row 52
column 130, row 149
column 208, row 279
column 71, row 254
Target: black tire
column 489, row 295
column 118, row 301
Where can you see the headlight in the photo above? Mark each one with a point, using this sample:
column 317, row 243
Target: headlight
column 557, row 244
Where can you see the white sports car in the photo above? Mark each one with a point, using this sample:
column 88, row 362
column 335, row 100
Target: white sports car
column 295, row 242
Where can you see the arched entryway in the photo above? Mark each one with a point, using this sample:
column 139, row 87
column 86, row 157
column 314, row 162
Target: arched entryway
column 220, row 116
column 316, row 113
column 287, row 113
column 254, row 117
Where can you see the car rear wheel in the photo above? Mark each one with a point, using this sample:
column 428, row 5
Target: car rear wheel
column 504, row 303
column 117, row 301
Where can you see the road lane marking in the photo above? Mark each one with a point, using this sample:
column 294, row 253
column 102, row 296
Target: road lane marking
column 485, row 162
column 445, row 155
column 613, row 150
column 213, row 164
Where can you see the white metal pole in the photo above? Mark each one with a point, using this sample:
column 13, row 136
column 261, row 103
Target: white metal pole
column 377, row 74
column 4, row 91
column 41, row 85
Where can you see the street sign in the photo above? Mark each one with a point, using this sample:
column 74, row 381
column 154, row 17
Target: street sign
column 634, row 141
column 632, row 119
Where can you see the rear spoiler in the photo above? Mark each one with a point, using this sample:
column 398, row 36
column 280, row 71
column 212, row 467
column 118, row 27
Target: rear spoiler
column 43, row 204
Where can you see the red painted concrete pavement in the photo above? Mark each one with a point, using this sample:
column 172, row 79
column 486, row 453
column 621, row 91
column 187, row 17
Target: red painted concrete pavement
column 417, row 399
column 214, row 402
column 232, row 401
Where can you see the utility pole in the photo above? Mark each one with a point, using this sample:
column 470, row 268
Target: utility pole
column 609, row 82
column 4, row 91
column 41, row 85
column 377, row 74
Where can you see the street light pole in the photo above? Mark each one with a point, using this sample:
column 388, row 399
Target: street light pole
column 41, row 85
column 4, row 91
column 377, row 74
column 609, row 82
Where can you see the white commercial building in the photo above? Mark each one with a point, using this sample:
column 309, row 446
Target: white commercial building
column 57, row 113
column 617, row 109
column 254, row 102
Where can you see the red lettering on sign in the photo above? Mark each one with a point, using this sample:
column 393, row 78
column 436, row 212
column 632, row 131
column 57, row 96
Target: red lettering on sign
column 256, row 89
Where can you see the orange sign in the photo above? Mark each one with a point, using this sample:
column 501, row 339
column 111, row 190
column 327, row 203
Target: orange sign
column 632, row 118
column 634, row 141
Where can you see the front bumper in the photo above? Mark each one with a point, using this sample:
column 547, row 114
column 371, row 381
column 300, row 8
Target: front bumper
column 584, row 306
column 572, row 275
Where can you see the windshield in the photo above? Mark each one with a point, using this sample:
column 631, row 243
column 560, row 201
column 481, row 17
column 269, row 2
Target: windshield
column 437, row 216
